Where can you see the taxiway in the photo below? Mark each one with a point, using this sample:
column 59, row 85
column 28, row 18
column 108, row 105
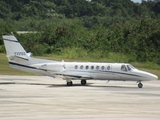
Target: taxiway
column 45, row 98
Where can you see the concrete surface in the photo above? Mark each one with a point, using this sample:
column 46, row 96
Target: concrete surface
column 45, row 98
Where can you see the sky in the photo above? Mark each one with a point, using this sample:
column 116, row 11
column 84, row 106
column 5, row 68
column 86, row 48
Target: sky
column 137, row 1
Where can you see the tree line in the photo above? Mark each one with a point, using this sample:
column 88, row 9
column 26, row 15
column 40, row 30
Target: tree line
column 17, row 9
column 80, row 27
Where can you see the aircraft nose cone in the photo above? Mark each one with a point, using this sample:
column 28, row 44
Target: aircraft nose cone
column 149, row 76
column 154, row 77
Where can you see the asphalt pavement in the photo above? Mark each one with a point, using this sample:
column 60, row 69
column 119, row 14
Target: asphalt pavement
column 46, row 98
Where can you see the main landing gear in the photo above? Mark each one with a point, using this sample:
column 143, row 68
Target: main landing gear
column 69, row 83
column 83, row 82
column 140, row 85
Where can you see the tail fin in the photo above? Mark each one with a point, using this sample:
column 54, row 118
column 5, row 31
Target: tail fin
column 14, row 48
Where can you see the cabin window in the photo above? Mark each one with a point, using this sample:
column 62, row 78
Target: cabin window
column 97, row 67
column 87, row 67
column 108, row 68
column 76, row 66
column 81, row 67
column 102, row 67
column 92, row 67
column 123, row 68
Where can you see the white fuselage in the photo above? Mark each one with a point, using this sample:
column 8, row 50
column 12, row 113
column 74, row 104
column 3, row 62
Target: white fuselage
column 87, row 70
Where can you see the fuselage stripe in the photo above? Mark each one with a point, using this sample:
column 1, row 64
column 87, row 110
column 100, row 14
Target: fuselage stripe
column 107, row 72
column 11, row 63
column 77, row 71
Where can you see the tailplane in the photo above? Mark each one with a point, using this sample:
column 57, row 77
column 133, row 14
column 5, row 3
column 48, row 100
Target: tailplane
column 18, row 58
column 14, row 48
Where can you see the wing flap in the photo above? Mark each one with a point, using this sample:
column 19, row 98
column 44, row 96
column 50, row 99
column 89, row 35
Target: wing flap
column 11, row 57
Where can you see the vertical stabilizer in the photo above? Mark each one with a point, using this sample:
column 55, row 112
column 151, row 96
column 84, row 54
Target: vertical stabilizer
column 13, row 47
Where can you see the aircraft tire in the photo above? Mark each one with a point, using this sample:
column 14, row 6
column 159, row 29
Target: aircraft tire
column 140, row 85
column 69, row 83
column 83, row 82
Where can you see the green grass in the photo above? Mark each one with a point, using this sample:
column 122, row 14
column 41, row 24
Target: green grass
column 6, row 70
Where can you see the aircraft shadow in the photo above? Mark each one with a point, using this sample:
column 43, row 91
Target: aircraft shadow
column 90, row 85
column 64, row 85
column 7, row 83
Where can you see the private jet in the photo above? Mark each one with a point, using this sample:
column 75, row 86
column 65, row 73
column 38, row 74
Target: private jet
column 18, row 58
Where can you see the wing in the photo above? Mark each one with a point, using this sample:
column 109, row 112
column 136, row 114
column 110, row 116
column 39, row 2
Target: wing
column 76, row 77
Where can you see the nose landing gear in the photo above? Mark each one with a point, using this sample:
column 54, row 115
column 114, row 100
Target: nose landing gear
column 140, row 85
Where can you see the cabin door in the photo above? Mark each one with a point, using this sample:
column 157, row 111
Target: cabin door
column 114, row 73
column 108, row 69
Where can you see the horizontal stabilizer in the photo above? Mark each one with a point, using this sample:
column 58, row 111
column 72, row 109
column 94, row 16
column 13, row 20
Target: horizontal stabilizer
column 12, row 57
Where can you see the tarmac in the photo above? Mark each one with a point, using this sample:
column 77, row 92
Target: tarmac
column 46, row 98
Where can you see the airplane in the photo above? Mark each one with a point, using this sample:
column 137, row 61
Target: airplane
column 18, row 58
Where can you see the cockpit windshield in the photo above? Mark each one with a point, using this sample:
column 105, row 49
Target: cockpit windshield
column 127, row 67
column 131, row 66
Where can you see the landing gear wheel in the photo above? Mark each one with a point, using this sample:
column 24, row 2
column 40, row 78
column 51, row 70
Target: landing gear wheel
column 83, row 82
column 69, row 83
column 140, row 85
